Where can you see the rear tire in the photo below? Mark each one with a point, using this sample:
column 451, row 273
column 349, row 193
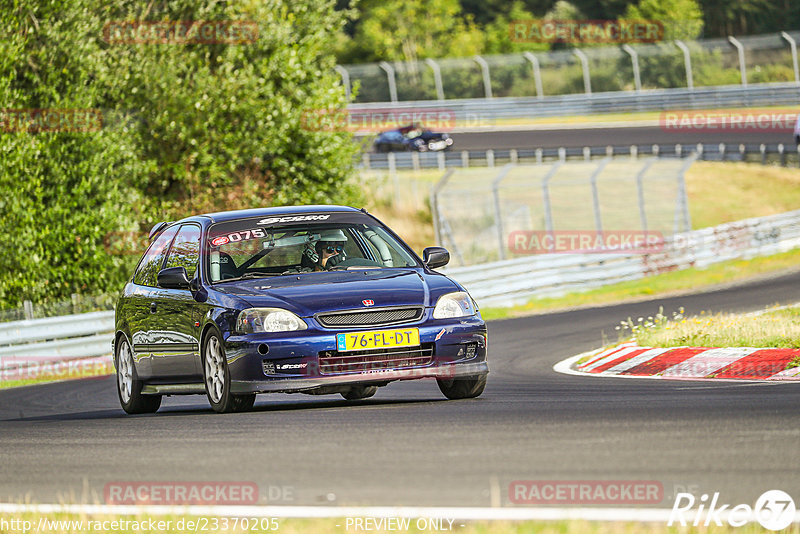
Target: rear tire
column 360, row 392
column 217, row 379
column 462, row 388
column 129, row 387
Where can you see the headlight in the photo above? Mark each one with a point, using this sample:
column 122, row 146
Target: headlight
column 457, row 304
column 255, row 320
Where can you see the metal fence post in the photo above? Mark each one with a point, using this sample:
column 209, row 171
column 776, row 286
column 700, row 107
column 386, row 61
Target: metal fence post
column 683, row 196
column 498, row 215
column 740, row 48
column 637, row 80
column 392, row 160
column 345, row 80
column 490, row 158
column 793, row 46
column 587, row 81
column 537, row 73
column 391, row 79
column 487, row 80
column 27, row 309
column 437, row 77
column 687, row 62
column 640, row 192
column 548, row 213
column 598, row 221
column 435, row 190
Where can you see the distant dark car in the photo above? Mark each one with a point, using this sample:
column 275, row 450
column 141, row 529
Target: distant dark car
column 412, row 137
column 311, row 299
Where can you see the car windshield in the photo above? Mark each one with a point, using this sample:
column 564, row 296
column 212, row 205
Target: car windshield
column 263, row 247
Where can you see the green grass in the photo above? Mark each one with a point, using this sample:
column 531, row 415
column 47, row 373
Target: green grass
column 776, row 328
column 171, row 523
column 688, row 280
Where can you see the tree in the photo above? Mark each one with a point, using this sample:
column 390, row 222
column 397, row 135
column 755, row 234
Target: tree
column 682, row 19
column 499, row 38
column 408, row 30
column 204, row 127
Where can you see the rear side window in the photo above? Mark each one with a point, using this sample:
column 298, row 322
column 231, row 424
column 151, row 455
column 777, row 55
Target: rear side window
column 185, row 250
column 147, row 272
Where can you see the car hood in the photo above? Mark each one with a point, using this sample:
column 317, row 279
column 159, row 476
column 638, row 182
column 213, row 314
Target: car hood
column 311, row 293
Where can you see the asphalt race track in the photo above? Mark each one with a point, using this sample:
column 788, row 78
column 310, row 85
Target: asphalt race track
column 588, row 136
column 408, row 445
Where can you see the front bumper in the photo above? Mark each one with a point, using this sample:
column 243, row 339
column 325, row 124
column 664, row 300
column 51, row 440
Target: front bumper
column 292, row 361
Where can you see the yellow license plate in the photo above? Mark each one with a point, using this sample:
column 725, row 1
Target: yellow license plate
column 377, row 339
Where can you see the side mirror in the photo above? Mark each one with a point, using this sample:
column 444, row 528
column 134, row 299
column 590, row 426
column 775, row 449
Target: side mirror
column 434, row 257
column 173, row 278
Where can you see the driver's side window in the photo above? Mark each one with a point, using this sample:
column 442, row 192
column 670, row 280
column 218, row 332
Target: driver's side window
column 185, row 250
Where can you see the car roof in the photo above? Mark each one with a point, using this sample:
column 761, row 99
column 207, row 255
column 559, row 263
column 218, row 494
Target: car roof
column 222, row 216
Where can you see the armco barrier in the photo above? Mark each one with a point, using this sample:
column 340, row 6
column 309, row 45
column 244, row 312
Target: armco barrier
column 779, row 153
column 56, row 338
column 509, row 282
column 494, row 284
column 485, row 111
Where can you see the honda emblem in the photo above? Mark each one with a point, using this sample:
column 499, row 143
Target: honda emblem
column 368, row 302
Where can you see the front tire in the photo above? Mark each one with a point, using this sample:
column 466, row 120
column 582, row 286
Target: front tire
column 462, row 388
column 129, row 387
column 360, row 392
column 217, row 379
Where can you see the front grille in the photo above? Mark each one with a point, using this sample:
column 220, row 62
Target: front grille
column 381, row 316
column 332, row 362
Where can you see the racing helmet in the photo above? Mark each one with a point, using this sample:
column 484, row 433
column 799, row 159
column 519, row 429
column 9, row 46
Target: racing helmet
column 334, row 239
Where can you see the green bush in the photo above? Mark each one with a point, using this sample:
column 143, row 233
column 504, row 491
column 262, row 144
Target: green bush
column 203, row 126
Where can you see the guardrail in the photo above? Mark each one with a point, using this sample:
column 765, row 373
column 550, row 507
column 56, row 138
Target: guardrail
column 783, row 154
column 55, row 339
column 509, row 282
column 484, row 111
column 502, row 283
column 700, row 63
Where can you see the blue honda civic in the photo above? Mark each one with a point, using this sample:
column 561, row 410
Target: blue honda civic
column 310, row 299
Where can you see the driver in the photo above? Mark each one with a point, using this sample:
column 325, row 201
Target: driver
column 328, row 251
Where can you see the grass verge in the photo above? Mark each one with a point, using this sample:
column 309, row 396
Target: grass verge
column 779, row 328
column 693, row 279
column 72, row 523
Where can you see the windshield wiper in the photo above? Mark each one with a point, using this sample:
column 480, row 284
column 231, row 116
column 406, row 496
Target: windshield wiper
column 247, row 276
